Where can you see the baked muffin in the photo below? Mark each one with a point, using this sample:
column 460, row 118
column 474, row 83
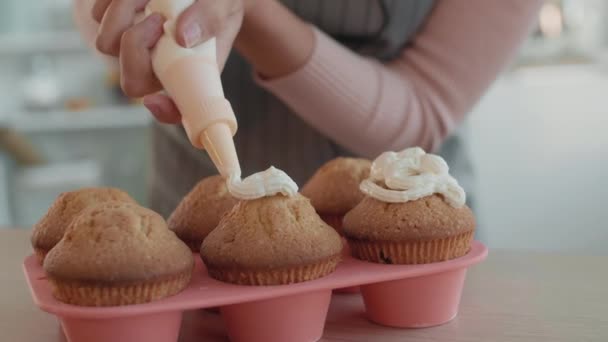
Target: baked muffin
column 50, row 229
column 334, row 189
column 118, row 253
column 414, row 212
column 416, row 232
column 200, row 211
column 271, row 241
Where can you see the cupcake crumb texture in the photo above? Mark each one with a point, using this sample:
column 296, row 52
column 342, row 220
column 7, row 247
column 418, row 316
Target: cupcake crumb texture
column 200, row 210
column 50, row 229
column 334, row 188
column 117, row 242
column 270, row 232
column 424, row 219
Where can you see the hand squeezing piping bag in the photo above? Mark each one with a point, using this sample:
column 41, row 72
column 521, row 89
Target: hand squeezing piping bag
column 191, row 77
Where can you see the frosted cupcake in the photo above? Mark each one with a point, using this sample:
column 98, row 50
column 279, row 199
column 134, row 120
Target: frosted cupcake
column 334, row 189
column 272, row 237
column 50, row 229
column 200, row 211
column 118, row 253
column 414, row 212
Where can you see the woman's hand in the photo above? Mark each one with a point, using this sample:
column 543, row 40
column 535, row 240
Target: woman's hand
column 131, row 43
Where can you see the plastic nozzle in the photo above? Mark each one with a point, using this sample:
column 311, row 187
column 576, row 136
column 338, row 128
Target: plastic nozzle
column 217, row 140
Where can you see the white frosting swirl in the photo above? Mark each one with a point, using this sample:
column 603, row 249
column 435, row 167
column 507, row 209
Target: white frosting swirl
column 262, row 184
column 410, row 175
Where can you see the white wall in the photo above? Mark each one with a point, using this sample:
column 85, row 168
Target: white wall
column 5, row 214
column 540, row 143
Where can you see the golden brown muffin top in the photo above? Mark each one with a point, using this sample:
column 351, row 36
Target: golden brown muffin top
column 427, row 218
column 200, row 211
column 118, row 242
column 270, row 232
column 50, row 229
column 334, row 188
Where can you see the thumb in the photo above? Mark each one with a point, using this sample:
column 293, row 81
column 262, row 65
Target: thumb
column 202, row 21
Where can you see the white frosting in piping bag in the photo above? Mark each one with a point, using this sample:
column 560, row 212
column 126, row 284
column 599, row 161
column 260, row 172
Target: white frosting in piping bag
column 262, row 184
column 410, row 175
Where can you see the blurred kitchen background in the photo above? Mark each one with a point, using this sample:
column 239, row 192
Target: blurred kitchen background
column 539, row 137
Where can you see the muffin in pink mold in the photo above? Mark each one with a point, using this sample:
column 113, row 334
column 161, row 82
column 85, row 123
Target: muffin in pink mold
column 272, row 240
column 118, row 253
column 414, row 212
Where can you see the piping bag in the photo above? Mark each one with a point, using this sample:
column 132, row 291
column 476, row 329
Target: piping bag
column 191, row 77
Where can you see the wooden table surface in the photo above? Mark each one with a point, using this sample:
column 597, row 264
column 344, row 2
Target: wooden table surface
column 512, row 296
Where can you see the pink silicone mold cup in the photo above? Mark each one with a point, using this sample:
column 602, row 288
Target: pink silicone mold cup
column 160, row 327
column 394, row 295
column 290, row 318
column 346, row 253
column 415, row 302
column 348, row 290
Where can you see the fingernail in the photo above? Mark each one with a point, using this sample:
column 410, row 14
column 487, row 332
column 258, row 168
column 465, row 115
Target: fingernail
column 192, row 35
column 154, row 108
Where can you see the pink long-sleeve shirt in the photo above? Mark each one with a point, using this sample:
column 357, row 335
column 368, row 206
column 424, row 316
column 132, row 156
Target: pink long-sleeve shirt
column 419, row 98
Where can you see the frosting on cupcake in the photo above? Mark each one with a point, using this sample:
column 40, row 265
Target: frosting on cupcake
column 411, row 174
column 262, row 184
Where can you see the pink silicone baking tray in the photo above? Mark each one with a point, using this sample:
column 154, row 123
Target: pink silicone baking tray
column 404, row 296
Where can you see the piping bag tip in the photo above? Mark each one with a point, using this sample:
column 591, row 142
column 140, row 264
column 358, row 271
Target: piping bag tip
column 217, row 141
